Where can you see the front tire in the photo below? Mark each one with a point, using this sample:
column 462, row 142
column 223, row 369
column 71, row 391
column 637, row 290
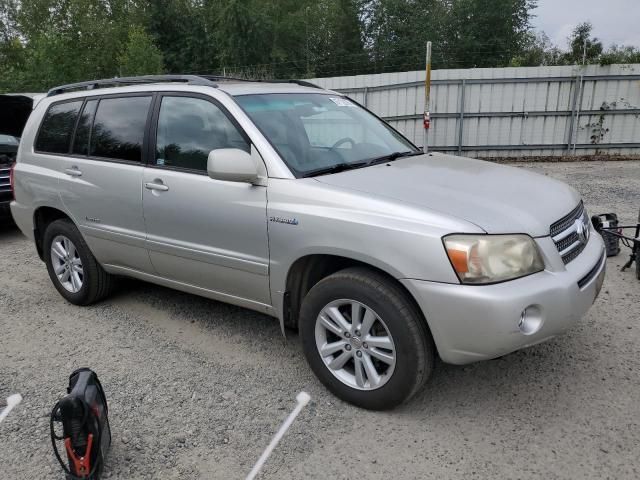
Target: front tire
column 73, row 269
column 365, row 339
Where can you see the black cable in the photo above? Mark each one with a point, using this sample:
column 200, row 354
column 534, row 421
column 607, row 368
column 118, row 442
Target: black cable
column 98, row 442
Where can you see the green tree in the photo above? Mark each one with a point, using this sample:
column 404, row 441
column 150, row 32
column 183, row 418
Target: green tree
column 620, row 54
column 397, row 31
column 289, row 38
column 70, row 40
column 184, row 31
column 242, row 34
column 140, row 55
column 10, row 47
column 537, row 51
column 483, row 36
column 48, row 42
column 332, row 42
column 583, row 48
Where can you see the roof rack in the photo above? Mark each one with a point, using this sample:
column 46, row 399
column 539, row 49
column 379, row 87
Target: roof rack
column 302, row 83
column 114, row 82
column 202, row 80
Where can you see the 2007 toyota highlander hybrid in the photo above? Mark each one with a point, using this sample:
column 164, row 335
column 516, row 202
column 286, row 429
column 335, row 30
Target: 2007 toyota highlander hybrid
column 297, row 202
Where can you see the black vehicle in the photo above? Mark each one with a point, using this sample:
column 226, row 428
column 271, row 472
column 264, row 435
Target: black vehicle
column 15, row 112
column 8, row 150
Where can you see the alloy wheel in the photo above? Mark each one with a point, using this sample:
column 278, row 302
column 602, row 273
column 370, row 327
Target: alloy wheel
column 355, row 344
column 67, row 264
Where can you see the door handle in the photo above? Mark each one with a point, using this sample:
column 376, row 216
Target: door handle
column 73, row 171
column 156, row 186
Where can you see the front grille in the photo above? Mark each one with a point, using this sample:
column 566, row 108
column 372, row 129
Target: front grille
column 568, row 220
column 570, row 235
column 571, row 256
column 5, row 185
column 567, row 241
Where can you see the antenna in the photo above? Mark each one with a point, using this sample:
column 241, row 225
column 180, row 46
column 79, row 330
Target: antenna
column 302, row 399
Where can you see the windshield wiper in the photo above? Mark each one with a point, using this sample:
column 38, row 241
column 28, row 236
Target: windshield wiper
column 341, row 167
column 391, row 157
column 337, row 168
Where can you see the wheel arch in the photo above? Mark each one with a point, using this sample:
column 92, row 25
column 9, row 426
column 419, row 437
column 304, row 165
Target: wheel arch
column 42, row 217
column 308, row 270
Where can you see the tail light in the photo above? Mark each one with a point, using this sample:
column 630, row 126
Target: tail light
column 12, row 183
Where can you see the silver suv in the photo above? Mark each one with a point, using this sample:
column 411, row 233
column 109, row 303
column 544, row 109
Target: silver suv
column 299, row 203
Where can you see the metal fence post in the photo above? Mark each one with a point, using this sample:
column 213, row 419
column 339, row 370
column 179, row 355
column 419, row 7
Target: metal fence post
column 578, row 111
column 427, row 100
column 463, row 86
column 574, row 105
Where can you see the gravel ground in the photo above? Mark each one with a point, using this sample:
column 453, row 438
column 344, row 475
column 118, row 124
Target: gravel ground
column 196, row 388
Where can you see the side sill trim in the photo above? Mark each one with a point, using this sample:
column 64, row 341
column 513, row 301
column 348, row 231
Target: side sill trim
column 185, row 287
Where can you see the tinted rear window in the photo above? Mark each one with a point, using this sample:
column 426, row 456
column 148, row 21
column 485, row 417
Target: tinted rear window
column 81, row 142
column 57, row 127
column 118, row 128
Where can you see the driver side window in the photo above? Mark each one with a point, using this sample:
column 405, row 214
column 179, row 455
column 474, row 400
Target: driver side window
column 189, row 128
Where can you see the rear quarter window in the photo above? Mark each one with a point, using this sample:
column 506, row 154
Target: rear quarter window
column 57, row 127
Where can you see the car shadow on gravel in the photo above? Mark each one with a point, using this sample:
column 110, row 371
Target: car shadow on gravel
column 528, row 381
column 9, row 230
column 192, row 316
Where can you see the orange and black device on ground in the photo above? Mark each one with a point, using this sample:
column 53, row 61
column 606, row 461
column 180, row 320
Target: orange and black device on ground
column 86, row 436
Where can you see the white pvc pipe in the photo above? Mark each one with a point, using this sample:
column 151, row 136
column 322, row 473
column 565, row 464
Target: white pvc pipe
column 12, row 402
column 302, row 398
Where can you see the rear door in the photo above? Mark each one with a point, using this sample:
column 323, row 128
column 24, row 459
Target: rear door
column 102, row 178
column 202, row 232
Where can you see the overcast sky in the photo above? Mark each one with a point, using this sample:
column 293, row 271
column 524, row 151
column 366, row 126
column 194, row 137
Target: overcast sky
column 614, row 21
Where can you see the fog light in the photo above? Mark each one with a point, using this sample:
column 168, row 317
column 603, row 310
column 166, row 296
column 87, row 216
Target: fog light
column 530, row 320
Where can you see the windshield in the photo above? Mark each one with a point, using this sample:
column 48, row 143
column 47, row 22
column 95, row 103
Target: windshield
column 316, row 133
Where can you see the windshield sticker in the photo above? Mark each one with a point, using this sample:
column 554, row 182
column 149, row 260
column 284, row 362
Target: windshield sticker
column 342, row 102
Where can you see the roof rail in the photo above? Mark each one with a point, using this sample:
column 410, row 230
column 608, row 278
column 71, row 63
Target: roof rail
column 223, row 78
column 203, row 80
column 305, row 83
column 114, row 82
column 302, row 83
column 219, row 78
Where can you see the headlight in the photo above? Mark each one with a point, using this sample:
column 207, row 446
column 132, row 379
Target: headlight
column 479, row 259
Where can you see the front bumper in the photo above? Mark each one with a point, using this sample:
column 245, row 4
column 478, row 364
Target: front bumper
column 471, row 323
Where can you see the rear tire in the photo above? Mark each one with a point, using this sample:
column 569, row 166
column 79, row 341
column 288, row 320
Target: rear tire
column 377, row 351
column 73, row 269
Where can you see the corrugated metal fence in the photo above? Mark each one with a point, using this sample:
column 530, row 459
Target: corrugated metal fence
column 510, row 112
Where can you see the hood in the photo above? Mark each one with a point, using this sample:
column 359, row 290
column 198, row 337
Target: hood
column 497, row 198
column 15, row 109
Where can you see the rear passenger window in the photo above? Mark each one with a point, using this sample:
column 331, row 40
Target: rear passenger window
column 118, row 128
column 57, row 128
column 81, row 141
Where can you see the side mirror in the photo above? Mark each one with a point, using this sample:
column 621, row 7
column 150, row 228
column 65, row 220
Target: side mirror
column 232, row 165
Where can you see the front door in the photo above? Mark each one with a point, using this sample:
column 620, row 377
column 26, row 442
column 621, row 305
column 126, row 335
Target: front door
column 202, row 232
